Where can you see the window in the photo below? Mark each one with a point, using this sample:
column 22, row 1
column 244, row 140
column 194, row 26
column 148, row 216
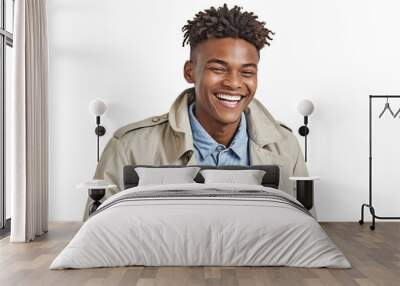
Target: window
column 6, row 44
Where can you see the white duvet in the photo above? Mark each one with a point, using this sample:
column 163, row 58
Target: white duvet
column 235, row 229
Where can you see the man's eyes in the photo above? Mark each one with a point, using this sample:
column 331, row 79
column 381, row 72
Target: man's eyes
column 218, row 69
column 245, row 73
column 249, row 73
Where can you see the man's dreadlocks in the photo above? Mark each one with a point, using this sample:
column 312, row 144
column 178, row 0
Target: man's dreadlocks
column 224, row 22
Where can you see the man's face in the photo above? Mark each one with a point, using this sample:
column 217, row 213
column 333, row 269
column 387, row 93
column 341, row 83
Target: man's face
column 224, row 72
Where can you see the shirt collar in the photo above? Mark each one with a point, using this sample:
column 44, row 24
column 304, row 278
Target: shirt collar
column 239, row 142
column 207, row 145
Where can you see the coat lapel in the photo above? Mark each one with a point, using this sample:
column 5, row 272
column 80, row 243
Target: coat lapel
column 263, row 156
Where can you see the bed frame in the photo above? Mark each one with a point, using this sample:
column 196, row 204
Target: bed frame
column 270, row 179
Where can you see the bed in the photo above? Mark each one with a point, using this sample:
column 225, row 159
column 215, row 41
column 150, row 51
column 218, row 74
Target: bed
column 201, row 224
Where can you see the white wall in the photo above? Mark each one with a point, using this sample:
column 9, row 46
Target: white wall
column 129, row 53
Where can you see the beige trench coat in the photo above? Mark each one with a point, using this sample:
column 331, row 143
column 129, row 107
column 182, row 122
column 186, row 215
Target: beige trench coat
column 167, row 140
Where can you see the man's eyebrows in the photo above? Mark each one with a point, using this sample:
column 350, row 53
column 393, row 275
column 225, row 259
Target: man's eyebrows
column 224, row 63
column 217, row 61
column 249, row 65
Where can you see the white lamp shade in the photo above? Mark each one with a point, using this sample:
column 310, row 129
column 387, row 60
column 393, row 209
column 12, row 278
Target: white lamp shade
column 305, row 107
column 97, row 107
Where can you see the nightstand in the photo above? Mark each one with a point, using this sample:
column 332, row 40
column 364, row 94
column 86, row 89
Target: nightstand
column 96, row 190
column 305, row 190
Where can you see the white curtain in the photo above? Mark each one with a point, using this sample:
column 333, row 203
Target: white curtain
column 29, row 122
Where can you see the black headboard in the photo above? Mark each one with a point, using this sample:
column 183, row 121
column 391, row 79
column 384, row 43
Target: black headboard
column 270, row 179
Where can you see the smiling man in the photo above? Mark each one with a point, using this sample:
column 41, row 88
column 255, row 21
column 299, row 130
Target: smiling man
column 217, row 121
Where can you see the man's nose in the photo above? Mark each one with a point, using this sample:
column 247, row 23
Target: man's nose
column 233, row 80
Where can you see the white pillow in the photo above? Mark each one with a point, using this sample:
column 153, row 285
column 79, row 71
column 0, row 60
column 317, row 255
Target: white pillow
column 248, row 177
column 162, row 176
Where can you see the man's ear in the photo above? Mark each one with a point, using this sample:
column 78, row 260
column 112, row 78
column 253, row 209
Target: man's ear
column 188, row 71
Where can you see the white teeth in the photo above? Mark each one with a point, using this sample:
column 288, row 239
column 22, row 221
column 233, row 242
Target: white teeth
column 229, row 97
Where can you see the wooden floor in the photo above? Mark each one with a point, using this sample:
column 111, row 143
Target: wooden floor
column 374, row 255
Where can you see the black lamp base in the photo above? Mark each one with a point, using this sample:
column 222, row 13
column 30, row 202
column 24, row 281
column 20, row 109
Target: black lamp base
column 305, row 193
column 96, row 195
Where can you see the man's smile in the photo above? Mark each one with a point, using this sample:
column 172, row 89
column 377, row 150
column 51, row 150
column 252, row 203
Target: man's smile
column 229, row 99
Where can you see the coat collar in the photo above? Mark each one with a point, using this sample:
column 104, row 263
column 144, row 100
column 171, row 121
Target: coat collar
column 262, row 127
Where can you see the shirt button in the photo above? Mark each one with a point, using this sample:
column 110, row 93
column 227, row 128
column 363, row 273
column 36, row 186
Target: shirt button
column 156, row 119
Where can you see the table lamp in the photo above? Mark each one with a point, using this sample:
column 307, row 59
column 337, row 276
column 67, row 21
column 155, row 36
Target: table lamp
column 305, row 108
column 97, row 107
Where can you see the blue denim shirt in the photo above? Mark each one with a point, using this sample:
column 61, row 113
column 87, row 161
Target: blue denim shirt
column 210, row 152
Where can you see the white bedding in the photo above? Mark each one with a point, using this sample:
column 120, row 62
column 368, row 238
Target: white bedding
column 211, row 228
